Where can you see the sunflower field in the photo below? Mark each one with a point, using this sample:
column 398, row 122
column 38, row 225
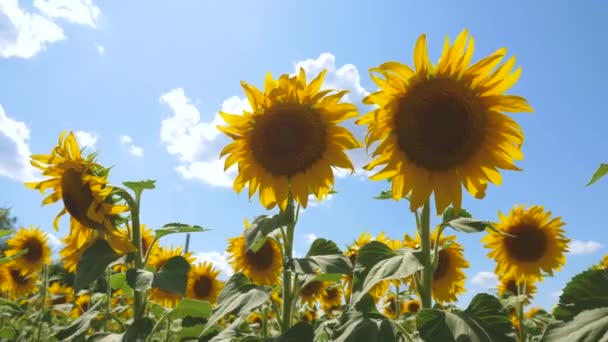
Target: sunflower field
column 436, row 129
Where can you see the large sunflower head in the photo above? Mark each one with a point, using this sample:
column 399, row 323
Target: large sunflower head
column 290, row 139
column 82, row 186
column 38, row 252
column 535, row 243
column 441, row 126
column 262, row 267
column 448, row 277
column 17, row 283
column 509, row 287
column 203, row 282
column 158, row 260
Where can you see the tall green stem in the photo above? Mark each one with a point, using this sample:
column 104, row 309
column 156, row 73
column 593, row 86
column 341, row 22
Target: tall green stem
column 287, row 268
column 519, row 308
column 426, row 289
column 43, row 291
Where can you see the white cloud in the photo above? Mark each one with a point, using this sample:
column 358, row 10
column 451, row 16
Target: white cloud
column 219, row 260
column 313, row 202
column 101, row 49
column 194, row 142
column 133, row 149
column 584, row 247
column 87, row 139
column 54, row 242
column 556, row 294
column 310, row 238
column 24, row 34
column 485, row 280
column 14, row 149
column 82, row 12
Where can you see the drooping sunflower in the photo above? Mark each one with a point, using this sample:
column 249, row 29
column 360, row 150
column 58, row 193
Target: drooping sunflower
column 262, row 267
column 332, row 298
column 203, row 282
column 255, row 318
column 412, row 306
column 390, row 306
column 158, row 260
column 448, row 277
column 290, row 140
column 535, row 243
column 82, row 186
column 312, row 292
column 38, row 252
column 17, row 283
column 442, row 125
column 508, row 287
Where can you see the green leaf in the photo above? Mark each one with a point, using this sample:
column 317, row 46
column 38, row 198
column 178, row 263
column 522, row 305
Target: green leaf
column 192, row 308
column 118, row 281
column 449, row 214
column 12, row 257
column 80, row 325
column 140, row 186
column 139, row 329
column 300, row 332
column 239, row 297
column 174, row 227
column 384, row 195
column 599, row 173
column 93, row 263
column 140, row 280
column 262, row 225
column 588, row 326
column 106, row 337
column 323, row 247
column 5, row 232
column 8, row 333
column 187, row 333
column 377, row 262
column 12, row 305
column 172, row 276
column 365, row 328
column 329, row 277
column 483, row 320
column 585, row 291
column 469, row 225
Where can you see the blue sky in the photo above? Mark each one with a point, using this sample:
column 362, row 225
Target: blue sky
column 143, row 82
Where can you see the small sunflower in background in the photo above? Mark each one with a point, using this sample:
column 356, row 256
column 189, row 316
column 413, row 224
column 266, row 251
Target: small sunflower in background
column 203, row 282
column 158, row 260
column 448, row 277
column 81, row 185
column 262, row 267
column 290, row 140
column 535, row 243
column 352, row 252
column 313, row 291
column 38, row 252
column 509, row 287
column 309, row 315
column 16, row 282
column 59, row 293
column 441, row 126
column 332, row 298
column 81, row 305
column 412, row 306
column 392, row 305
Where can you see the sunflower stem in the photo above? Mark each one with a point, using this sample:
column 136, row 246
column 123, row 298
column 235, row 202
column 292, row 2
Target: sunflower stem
column 43, row 290
column 425, row 291
column 264, row 322
column 287, row 269
column 519, row 307
column 397, row 302
column 108, row 297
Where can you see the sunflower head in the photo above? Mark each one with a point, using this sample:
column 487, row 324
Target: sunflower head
column 81, row 305
column 332, row 298
column 535, row 243
column 203, row 282
column 38, row 252
column 412, row 306
column 158, row 260
column 82, row 186
column 512, row 287
column 313, row 291
column 289, row 141
column 392, row 305
column 441, row 126
column 76, row 243
column 59, row 294
column 310, row 315
column 262, row 267
column 17, row 283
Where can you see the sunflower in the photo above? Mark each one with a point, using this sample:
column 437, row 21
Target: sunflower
column 309, row 315
column 448, row 277
column 441, row 125
column 147, row 237
column 412, row 306
column 38, row 252
column 59, row 294
column 332, row 298
column 75, row 246
column 390, row 306
column 158, row 260
column 508, row 287
column 313, row 291
column 82, row 304
column 290, row 140
column 17, row 283
column 262, row 267
column 533, row 312
column 82, row 185
column 255, row 318
column 203, row 282
column 604, row 263
column 122, row 304
column 535, row 242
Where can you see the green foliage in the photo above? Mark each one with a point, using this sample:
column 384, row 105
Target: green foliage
column 93, row 263
column 599, row 173
column 7, row 221
column 139, row 186
column 384, row 195
column 262, row 225
column 174, row 227
column 364, row 327
column 483, row 320
column 188, row 307
column 324, row 256
column 118, row 281
column 585, row 291
column 79, row 326
column 172, row 276
column 588, row 326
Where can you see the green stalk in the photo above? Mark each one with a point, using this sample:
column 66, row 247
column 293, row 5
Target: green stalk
column 43, row 290
column 287, row 271
column 426, row 288
column 519, row 308
column 109, row 297
column 397, row 302
column 264, row 322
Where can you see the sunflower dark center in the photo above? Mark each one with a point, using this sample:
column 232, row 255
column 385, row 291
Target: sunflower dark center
column 18, row 278
column 528, row 244
column 392, row 305
column 263, row 258
column 77, row 197
column 332, row 294
column 288, row 139
column 439, row 123
column 311, row 289
column 511, row 287
column 34, row 250
column 413, row 306
column 443, row 265
column 203, row 286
